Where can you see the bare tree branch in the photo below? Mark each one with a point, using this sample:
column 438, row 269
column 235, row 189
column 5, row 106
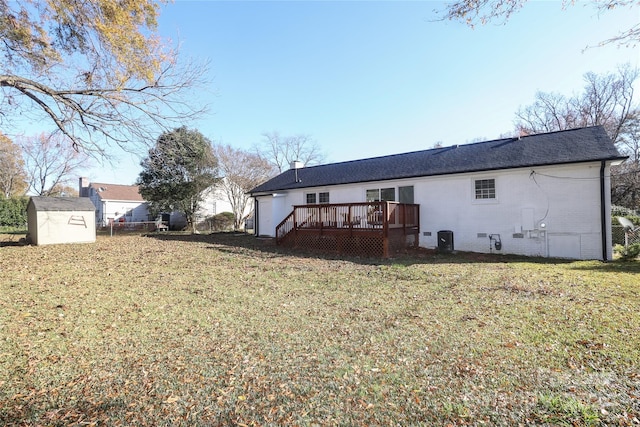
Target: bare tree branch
column 280, row 150
column 98, row 73
column 50, row 163
column 241, row 171
column 472, row 12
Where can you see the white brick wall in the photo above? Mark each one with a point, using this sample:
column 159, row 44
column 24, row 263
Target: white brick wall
column 565, row 198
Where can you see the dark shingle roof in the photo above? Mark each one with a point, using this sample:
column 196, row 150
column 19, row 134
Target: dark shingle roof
column 42, row 203
column 569, row 146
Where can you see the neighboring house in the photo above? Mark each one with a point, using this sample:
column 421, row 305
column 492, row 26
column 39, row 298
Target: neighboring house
column 213, row 203
column 216, row 201
column 123, row 203
column 115, row 203
column 54, row 220
column 540, row 195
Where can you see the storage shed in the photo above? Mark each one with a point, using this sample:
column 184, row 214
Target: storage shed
column 53, row 220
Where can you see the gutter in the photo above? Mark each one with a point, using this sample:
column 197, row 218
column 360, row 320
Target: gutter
column 603, row 212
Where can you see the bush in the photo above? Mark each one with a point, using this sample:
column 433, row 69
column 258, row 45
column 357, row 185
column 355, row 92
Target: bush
column 630, row 214
column 622, row 211
column 13, row 212
column 220, row 222
column 629, row 253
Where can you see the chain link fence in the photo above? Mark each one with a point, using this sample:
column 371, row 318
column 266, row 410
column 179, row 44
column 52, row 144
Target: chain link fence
column 618, row 236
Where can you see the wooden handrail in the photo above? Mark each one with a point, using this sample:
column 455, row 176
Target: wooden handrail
column 379, row 215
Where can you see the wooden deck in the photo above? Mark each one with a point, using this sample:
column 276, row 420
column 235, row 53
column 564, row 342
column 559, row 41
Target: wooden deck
column 355, row 229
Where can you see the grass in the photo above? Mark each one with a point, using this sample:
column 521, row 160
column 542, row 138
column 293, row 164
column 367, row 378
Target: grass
column 224, row 329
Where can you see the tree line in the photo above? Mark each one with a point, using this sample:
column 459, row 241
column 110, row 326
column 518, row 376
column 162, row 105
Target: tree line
column 181, row 169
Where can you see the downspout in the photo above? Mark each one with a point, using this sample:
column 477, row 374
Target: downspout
column 256, row 224
column 603, row 212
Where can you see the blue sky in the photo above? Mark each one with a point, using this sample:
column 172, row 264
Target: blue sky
column 371, row 78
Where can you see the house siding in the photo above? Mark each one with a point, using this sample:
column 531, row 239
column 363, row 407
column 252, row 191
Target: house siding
column 566, row 198
column 108, row 210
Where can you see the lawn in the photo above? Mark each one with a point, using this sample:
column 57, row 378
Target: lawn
column 228, row 330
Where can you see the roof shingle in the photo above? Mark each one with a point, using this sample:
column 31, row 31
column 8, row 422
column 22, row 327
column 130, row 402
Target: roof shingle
column 562, row 147
column 62, row 204
column 117, row 192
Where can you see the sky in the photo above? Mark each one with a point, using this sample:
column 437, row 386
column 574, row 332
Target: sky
column 373, row 78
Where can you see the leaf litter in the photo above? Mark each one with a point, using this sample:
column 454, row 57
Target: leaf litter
column 220, row 329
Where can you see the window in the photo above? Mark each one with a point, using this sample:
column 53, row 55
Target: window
column 485, row 189
column 405, row 194
column 381, row 194
column 313, row 198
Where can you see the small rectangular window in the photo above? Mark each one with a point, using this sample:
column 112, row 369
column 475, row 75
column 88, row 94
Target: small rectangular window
column 311, row 198
column 485, row 189
column 373, row 195
column 388, row 194
column 405, row 194
column 323, row 197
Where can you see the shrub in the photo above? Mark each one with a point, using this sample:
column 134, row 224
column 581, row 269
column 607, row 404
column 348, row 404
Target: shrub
column 13, row 212
column 622, row 211
column 220, row 222
column 629, row 253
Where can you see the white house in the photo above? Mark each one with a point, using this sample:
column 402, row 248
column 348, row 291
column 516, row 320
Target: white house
column 540, row 195
column 216, row 201
column 115, row 202
column 53, row 220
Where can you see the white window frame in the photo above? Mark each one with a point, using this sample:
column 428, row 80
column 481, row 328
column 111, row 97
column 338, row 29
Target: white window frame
column 379, row 190
column 484, row 200
column 317, row 197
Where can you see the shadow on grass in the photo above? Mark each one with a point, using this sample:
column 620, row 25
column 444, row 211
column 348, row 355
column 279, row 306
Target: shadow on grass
column 12, row 238
column 241, row 242
column 616, row 266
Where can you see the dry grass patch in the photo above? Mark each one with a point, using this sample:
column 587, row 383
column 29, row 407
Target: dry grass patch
column 222, row 329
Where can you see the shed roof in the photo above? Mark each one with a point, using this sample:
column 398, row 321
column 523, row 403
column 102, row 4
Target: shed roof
column 119, row 192
column 562, row 147
column 42, row 203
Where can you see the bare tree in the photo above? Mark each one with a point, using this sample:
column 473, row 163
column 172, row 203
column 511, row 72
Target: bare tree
column 241, row 171
column 626, row 177
column 473, row 12
column 96, row 71
column 607, row 100
column 280, row 150
column 50, row 163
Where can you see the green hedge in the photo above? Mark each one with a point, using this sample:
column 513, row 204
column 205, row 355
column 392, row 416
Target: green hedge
column 13, row 212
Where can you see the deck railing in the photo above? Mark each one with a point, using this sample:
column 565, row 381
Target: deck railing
column 376, row 218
